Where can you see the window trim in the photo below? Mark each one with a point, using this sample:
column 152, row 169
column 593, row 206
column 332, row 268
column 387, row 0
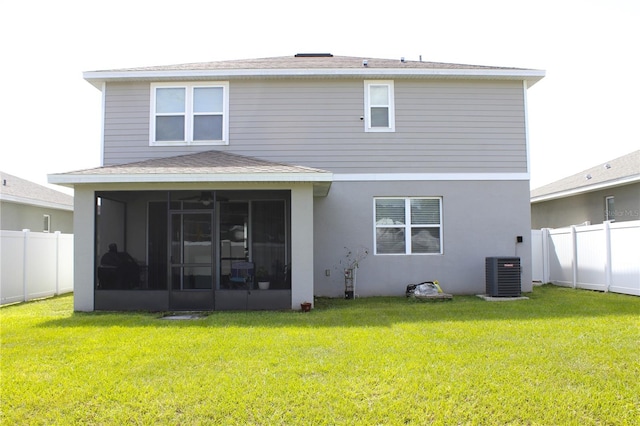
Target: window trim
column 367, row 106
column 46, row 223
column 609, row 215
column 189, row 113
column 408, row 225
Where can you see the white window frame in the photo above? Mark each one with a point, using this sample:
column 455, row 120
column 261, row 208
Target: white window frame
column 367, row 106
column 408, row 226
column 609, row 214
column 189, row 113
column 47, row 223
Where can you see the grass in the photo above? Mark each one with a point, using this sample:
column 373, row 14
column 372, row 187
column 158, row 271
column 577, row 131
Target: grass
column 562, row 357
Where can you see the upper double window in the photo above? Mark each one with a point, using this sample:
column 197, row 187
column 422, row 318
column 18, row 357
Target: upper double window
column 189, row 113
column 379, row 106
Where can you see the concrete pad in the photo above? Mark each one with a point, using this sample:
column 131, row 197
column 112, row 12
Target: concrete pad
column 184, row 317
column 500, row 299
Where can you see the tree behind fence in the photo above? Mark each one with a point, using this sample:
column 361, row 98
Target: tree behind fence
column 34, row 265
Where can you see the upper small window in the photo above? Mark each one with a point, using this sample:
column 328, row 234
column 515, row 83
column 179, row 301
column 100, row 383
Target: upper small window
column 191, row 113
column 379, row 106
column 47, row 223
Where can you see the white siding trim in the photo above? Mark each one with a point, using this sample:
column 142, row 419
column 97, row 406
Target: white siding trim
column 102, row 120
column 372, row 177
column 526, row 124
column 284, row 177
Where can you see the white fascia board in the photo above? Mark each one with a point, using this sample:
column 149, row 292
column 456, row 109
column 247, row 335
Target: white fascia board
column 394, row 177
column 190, row 178
column 35, row 203
column 585, row 189
column 532, row 76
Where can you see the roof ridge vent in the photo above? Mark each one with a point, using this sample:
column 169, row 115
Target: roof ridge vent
column 313, row 55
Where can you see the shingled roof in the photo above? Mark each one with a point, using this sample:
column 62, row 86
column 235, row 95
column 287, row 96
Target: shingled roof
column 310, row 61
column 313, row 65
column 620, row 171
column 206, row 166
column 17, row 190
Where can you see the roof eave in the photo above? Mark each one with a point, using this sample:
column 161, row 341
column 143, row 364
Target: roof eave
column 321, row 181
column 585, row 189
column 35, row 203
column 98, row 77
column 73, row 179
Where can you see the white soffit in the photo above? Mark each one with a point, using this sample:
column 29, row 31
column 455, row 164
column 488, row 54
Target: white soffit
column 531, row 76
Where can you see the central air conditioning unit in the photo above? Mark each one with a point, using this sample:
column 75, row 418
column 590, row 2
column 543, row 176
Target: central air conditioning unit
column 503, row 276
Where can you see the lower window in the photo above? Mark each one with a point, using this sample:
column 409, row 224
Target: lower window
column 408, row 225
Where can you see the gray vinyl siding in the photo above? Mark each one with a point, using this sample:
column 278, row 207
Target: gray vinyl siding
column 451, row 126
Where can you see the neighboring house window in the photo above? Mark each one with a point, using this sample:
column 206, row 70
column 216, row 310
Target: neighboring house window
column 47, row 223
column 408, row 225
column 189, row 114
column 379, row 115
column 609, row 209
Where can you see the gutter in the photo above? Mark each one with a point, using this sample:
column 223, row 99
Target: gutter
column 584, row 189
column 35, row 203
column 97, row 78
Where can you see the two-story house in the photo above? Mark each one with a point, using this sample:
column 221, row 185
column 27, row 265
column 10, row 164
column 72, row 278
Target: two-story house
column 214, row 172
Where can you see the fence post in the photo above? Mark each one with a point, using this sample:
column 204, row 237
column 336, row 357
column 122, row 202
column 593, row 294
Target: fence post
column 57, row 263
column 608, row 270
column 546, row 274
column 574, row 256
column 25, row 268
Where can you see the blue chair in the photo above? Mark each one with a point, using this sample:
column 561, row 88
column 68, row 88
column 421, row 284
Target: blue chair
column 242, row 274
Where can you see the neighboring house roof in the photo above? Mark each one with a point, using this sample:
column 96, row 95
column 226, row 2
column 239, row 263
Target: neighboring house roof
column 207, row 166
column 621, row 171
column 16, row 190
column 314, row 65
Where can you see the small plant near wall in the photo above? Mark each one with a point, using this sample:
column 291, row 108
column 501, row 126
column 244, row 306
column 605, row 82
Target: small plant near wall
column 262, row 275
column 350, row 264
column 354, row 257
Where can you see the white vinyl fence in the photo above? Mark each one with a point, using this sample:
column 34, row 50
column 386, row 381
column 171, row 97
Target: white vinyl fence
column 34, row 265
column 602, row 257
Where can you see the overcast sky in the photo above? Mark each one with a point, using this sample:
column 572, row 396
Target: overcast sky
column 584, row 112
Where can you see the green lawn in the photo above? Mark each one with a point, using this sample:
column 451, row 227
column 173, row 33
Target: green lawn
column 562, row 357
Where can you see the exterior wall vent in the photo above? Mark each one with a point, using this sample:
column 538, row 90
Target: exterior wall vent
column 502, row 276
